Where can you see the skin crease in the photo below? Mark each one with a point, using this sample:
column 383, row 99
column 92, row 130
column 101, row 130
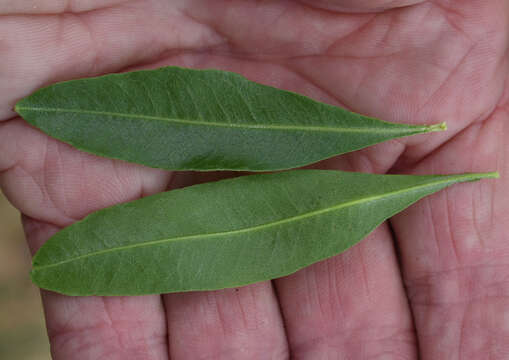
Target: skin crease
column 431, row 284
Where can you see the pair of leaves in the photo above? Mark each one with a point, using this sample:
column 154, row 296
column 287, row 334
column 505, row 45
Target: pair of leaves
column 223, row 234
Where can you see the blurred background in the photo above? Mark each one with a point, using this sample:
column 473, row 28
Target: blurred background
column 22, row 331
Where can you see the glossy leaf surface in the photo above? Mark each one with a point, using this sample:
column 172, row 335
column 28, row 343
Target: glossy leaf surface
column 183, row 119
column 225, row 234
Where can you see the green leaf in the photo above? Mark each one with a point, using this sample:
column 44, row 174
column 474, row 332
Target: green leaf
column 225, row 234
column 183, row 119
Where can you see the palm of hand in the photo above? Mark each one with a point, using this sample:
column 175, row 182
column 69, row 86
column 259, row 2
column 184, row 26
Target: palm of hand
column 426, row 63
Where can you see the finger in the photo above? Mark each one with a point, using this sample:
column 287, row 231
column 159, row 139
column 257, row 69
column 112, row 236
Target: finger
column 455, row 253
column 37, row 50
column 243, row 323
column 54, row 6
column 100, row 327
column 272, row 30
column 355, row 6
column 53, row 182
column 351, row 306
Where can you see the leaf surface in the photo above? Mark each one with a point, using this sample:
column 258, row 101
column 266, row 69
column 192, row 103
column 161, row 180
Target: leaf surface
column 182, row 119
column 227, row 233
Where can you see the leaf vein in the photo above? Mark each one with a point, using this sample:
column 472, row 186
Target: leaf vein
column 397, row 130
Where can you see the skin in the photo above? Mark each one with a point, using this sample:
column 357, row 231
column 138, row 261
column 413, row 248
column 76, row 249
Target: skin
column 431, row 284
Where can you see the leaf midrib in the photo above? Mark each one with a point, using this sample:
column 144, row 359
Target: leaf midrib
column 397, row 130
column 266, row 225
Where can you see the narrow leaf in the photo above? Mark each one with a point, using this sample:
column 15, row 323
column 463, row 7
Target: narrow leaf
column 183, row 119
column 225, row 234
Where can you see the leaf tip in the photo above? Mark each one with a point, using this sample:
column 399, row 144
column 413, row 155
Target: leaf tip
column 19, row 108
column 490, row 175
column 480, row 176
column 437, row 127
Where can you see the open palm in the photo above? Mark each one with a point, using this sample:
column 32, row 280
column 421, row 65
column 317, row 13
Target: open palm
column 434, row 283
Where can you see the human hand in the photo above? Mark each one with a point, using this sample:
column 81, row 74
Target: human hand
column 432, row 283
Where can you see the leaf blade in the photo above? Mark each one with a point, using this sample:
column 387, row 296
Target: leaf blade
column 224, row 244
column 182, row 119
